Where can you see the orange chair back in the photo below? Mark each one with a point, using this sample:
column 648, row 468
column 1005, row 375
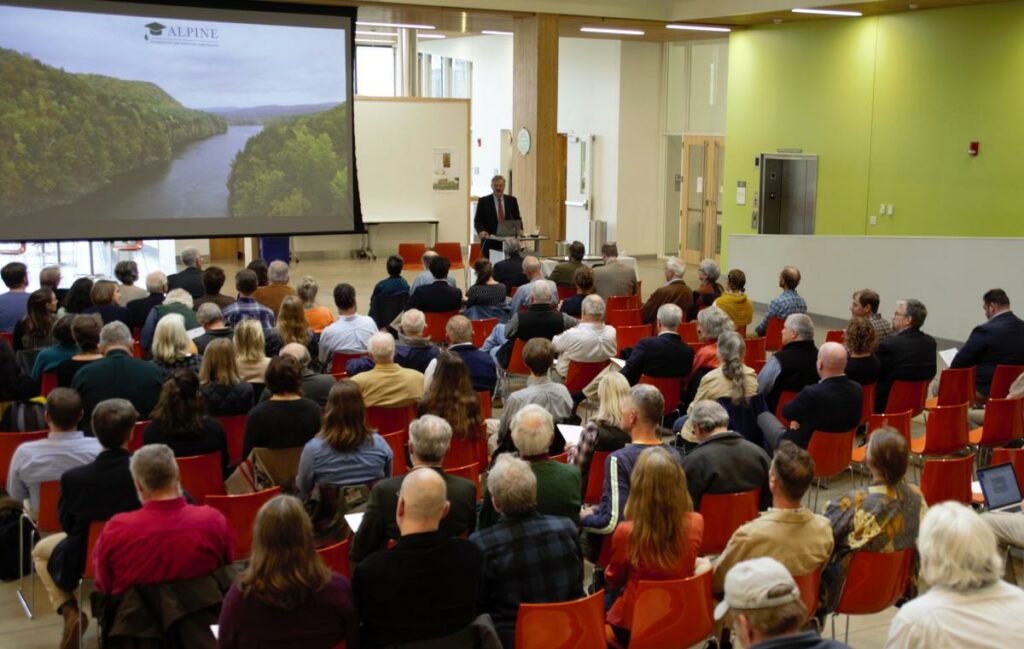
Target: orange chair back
column 482, row 329
column 835, row 336
column 640, row 291
column 955, row 386
column 436, row 323
column 563, row 458
column 516, row 365
column 234, row 431
column 485, row 403
column 389, row 419
column 135, row 441
column 624, row 318
column 595, row 478
column 672, row 613
column 202, row 476
column 1002, row 379
column 95, row 529
column 566, row 292
column 758, row 365
column 907, row 395
column 462, row 451
column 867, row 402
column 742, row 331
column 809, row 586
column 48, row 519
column 7, row 337
column 900, row 421
column 578, row 624
column 412, row 255
column 579, row 375
column 338, row 362
column 622, row 302
column 1003, row 423
column 945, row 431
column 874, row 582
column 397, row 442
column 627, row 337
column 336, row 557
column 669, row 387
column 47, row 383
column 241, row 514
column 452, row 250
column 688, row 331
column 947, row 479
column 1014, row 456
column 11, row 441
column 470, row 472
column 832, row 452
column 784, row 398
column 474, row 252
column 723, row 514
column 755, row 350
column 136, row 349
column 773, row 334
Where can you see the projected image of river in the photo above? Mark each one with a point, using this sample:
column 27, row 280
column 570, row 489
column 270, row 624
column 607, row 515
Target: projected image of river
column 193, row 184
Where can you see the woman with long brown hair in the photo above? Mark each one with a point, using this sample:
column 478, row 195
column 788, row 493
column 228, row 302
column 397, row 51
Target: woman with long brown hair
column 179, row 420
column 292, row 327
column 34, row 330
column 660, row 538
column 346, row 451
column 287, row 596
column 451, row 397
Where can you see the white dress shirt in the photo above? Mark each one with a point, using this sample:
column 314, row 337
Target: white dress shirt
column 349, row 333
column 989, row 617
column 47, row 459
column 585, row 343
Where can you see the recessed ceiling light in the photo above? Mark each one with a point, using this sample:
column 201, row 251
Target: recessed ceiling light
column 829, row 12
column 491, row 32
column 373, row 41
column 699, row 28
column 611, row 30
column 363, row 23
column 431, row 36
column 366, row 33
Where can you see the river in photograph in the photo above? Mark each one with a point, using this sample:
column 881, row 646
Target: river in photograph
column 193, row 184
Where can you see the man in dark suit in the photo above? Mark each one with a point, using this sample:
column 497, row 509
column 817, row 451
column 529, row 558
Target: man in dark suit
column 509, row 271
column 795, row 365
column 675, row 291
column 94, row 492
column 909, row 355
column 664, row 355
column 429, row 439
column 832, row 405
column 191, row 278
column 439, row 297
column 492, row 210
column 1000, row 341
column 138, row 310
column 483, row 372
column 117, row 375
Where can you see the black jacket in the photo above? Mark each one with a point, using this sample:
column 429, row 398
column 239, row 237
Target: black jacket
column 727, row 463
column 139, row 309
column 831, row 406
column 665, row 355
column 118, row 375
column 190, row 279
column 228, row 400
column 210, row 438
column 906, row 356
column 1000, row 341
column 538, row 321
column 510, row 272
column 486, row 217
column 438, row 297
column 111, row 313
column 798, row 363
column 212, row 335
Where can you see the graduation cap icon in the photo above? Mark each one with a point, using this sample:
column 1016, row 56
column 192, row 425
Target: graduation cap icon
column 155, row 28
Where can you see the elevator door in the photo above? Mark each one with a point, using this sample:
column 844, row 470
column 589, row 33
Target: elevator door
column 788, row 194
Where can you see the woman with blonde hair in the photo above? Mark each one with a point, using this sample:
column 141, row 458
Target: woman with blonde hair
column 250, row 344
column 291, row 327
column 319, row 317
column 604, row 432
column 287, row 596
column 660, row 538
column 220, row 381
column 171, row 347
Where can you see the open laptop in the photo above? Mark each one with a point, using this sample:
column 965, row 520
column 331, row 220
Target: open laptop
column 1000, row 489
column 509, row 228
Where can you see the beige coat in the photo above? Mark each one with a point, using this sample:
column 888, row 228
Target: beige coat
column 714, row 386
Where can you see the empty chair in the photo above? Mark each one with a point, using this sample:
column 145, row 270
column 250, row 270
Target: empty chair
column 578, row 624
column 723, row 514
column 627, row 337
column 835, row 336
column 673, row 613
column 240, row 511
column 452, row 250
column 955, row 386
column 624, row 318
column 907, row 395
column 687, row 331
column 336, row 557
column 773, row 334
column 874, row 582
column 1002, row 379
column 947, row 479
column 945, row 432
column 436, row 322
column 755, row 350
column 1003, row 422
column 900, row 421
column 482, row 329
column 201, row 476
column 412, row 255
column 580, row 374
column 832, row 453
column 622, row 302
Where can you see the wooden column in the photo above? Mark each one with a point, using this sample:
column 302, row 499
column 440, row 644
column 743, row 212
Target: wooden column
column 536, row 176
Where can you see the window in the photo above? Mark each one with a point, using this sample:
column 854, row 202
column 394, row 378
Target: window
column 375, row 71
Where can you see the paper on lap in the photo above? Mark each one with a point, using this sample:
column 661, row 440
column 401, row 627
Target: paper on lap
column 571, row 433
column 354, row 521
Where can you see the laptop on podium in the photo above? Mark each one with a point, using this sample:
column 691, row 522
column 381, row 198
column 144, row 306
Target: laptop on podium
column 1000, row 489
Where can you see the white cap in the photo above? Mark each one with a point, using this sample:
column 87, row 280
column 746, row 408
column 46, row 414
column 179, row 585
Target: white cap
column 757, row 583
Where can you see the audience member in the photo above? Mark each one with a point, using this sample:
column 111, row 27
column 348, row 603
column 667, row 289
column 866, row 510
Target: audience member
column 388, row 384
column 89, row 493
column 664, row 355
column 211, row 319
column 509, row 271
column 999, row 341
column 660, row 538
column 191, row 276
column 1008, row 527
column 351, row 332
column 179, row 420
column 220, row 381
column 118, row 375
column 291, row 327
column 732, row 380
column 558, row 484
column 451, row 397
column 583, row 279
column 15, row 384
column 712, row 322
column 394, row 284
column 734, row 301
column 413, row 350
column 486, row 291
column 884, row 517
column 246, row 307
column 865, row 305
column 428, row 586
column 535, row 275
column 138, row 309
column 723, row 462
column 538, row 356
column 788, row 532
column 483, row 372
column 675, row 291
column 346, row 451
column 14, row 302
column 604, row 432
column 614, row 277
column 249, row 345
column 213, row 282
column 564, row 272
column 793, row 367
column 287, row 596
column 439, row 296
column 426, row 276
column 590, row 341
column 277, row 288
column 171, row 347
column 106, row 301
column 315, row 386
column 528, row 557
column 167, row 539
column 50, row 276
column 49, row 358
column 540, row 320
column 967, row 604
column 85, row 330
column 259, row 266
column 179, row 302
column 907, row 355
column 34, row 331
column 787, row 303
column 319, row 317
column 287, row 419
column 832, row 405
column 79, row 298
column 861, row 341
column 709, row 289
column 429, row 441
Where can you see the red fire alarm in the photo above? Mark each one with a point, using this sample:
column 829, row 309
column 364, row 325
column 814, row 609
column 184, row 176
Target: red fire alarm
column 973, row 149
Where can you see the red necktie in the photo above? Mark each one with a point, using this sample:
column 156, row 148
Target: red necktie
column 501, row 210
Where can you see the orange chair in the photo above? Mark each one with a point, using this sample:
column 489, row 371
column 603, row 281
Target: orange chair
column 757, row 365
column 474, row 252
column 412, row 255
column 1002, row 379
column 742, row 331
column 566, row 292
column 135, row 441
column 241, row 513
column 832, row 454
column 595, row 479
column 436, row 322
column 95, row 529
column 672, row 613
column 11, row 441
column 47, row 382
column 482, row 329
column 1014, row 456
column 696, row 346
column 867, row 402
column 516, row 365
column 47, row 521
column 945, row 432
column 453, row 252
column 947, row 479
column 338, row 362
column 874, row 582
column 202, row 476
column 835, row 336
column 578, row 624
column 669, row 388
column 1003, row 422
column 389, row 419
column 907, row 395
column 579, row 375
column 723, row 514
column 755, row 350
column 336, row 557
column 462, row 451
column 900, row 421
column 234, row 431
column 470, row 472
column 624, row 318
column 485, row 403
column 397, row 442
column 136, row 349
column 7, row 337
column 622, row 303
column 563, row 458
column 955, row 386
column 773, row 334
column 628, row 337
column 784, row 398
column 688, row 331
column 809, row 586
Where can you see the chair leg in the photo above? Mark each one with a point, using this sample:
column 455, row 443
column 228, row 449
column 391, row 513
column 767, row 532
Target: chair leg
column 26, row 604
column 846, row 634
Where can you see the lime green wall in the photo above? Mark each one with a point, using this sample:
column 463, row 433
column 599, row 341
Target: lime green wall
column 889, row 104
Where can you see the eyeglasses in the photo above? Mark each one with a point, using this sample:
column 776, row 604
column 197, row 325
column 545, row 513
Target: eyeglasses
column 899, row 315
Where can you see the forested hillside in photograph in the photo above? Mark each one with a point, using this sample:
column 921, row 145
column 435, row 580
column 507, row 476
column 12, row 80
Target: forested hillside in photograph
column 64, row 135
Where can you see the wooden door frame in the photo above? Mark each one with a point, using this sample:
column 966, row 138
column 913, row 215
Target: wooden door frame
column 714, row 145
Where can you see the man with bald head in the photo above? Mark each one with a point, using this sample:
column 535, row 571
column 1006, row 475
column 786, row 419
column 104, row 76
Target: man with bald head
column 788, row 302
column 832, row 405
column 388, row 384
column 428, row 586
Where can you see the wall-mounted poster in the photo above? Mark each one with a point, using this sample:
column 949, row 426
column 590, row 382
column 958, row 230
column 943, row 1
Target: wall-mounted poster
column 445, row 179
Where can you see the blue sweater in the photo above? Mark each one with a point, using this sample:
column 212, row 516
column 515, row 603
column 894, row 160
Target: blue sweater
column 618, row 467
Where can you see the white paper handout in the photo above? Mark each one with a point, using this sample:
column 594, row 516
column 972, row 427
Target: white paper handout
column 571, row 433
column 354, row 521
column 618, row 361
column 947, row 356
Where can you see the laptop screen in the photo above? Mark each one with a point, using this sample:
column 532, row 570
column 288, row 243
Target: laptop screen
column 999, row 486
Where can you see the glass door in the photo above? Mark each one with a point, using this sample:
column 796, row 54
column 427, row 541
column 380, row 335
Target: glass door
column 703, row 198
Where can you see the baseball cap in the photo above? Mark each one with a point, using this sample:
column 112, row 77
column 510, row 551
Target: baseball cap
column 757, row 583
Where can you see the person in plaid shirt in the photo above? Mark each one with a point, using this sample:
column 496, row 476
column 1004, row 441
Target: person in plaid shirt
column 865, row 305
column 246, row 306
column 528, row 557
column 788, row 302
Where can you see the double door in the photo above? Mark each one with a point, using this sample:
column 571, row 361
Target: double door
column 700, row 212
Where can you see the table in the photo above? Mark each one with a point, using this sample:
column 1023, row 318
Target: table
column 366, row 252
column 548, row 263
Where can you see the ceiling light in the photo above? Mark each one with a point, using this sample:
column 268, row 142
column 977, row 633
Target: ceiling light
column 699, row 28
column 491, row 32
column 609, row 30
column 365, row 33
column 363, row 23
column 828, row 12
column 431, row 36
column 373, row 41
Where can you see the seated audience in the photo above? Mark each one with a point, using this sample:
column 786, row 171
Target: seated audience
column 861, row 341
column 712, row 322
column 664, row 355
column 999, row 341
column 428, row 586
column 287, row 419
column 319, row 317
column 538, row 355
column 388, row 384
column 564, row 272
column 709, row 289
column 660, row 538
column 291, row 327
column 535, row 275
column 138, row 309
column 14, row 302
column 106, row 301
column 345, row 451
column 315, row 386
column 832, row 405
column 211, row 319
column 79, row 298
column 524, row 543
column 34, row 331
column 865, row 306
column 191, row 277
column 439, row 296
column 350, row 333
column 907, row 355
column 787, row 303
column 413, row 350
column 15, row 384
column 483, row 371
column 450, row 396
column 213, row 282
column 675, row 291
column 723, row 462
column 277, row 288
column 604, row 431
column 540, row 320
column 246, row 307
column 967, row 604
column 426, row 276
column 509, row 271
column 178, row 301
column 583, row 279
column 127, row 272
column 92, row 492
column 429, row 440
column 171, row 347
column 179, row 420
column 884, row 517
column 259, row 266
column 220, row 381
column 793, row 367
column 486, row 291
column 249, row 345
column 590, row 341
column 394, row 284
column 734, row 301
column 49, row 358
column 118, row 375
column 49, row 277
column 167, row 539
column 788, row 532
column 613, row 277
column 732, row 379
column 287, row 596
